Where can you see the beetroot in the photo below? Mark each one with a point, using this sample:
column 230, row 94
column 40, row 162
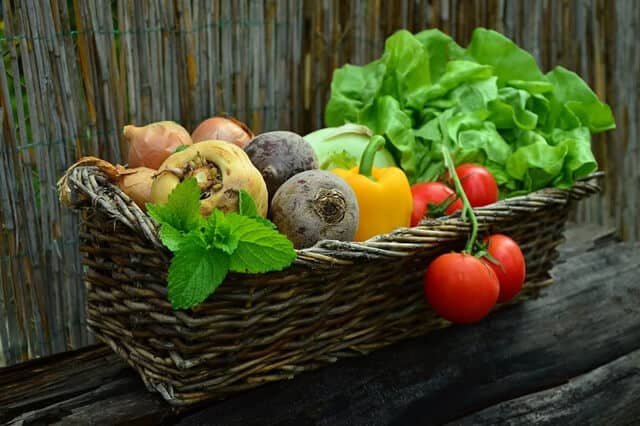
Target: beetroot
column 279, row 155
column 315, row 205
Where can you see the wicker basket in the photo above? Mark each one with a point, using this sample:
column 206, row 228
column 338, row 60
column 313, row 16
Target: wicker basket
column 337, row 300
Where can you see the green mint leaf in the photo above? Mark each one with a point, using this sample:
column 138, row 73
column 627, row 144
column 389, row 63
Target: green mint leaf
column 159, row 212
column 265, row 222
column 246, row 204
column 217, row 233
column 260, row 247
column 248, row 208
column 195, row 272
column 182, row 211
column 171, row 237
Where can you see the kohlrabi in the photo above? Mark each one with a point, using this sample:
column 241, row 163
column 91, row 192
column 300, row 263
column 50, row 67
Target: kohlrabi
column 342, row 147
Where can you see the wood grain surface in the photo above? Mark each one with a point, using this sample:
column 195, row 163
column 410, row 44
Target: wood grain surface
column 571, row 356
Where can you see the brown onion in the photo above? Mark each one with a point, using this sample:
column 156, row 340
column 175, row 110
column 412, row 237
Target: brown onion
column 150, row 145
column 136, row 183
column 223, row 129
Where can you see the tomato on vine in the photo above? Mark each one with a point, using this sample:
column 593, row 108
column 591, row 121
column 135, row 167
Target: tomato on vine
column 433, row 199
column 478, row 184
column 464, row 287
column 511, row 267
column 460, row 287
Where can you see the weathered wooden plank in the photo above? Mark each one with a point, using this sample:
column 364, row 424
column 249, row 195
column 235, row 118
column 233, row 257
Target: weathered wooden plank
column 588, row 319
column 102, row 391
column 116, row 402
column 607, row 394
column 584, row 238
column 295, row 72
column 62, row 377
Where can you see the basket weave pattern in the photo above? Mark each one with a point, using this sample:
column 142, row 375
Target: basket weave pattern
column 338, row 299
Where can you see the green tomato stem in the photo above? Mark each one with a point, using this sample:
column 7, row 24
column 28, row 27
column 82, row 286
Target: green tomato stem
column 467, row 210
column 369, row 154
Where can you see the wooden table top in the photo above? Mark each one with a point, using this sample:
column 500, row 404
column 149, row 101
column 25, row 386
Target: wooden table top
column 571, row 356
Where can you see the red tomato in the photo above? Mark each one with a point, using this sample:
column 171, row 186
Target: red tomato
column 478, row 184
column 431, row 192
column 461, row 288
column 512, row 269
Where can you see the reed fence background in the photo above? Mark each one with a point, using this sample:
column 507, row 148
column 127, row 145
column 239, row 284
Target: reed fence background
column 74, row 72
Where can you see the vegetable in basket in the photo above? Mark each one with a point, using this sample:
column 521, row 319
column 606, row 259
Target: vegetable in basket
column 221, row 170
column 150, row 145
column 315, row 205
column 342, row 147
column 436, row 199
column 205, row 248
column 278, row 155
column 432, row 199
column 222, row 129
column 488, row 104
column 136, row 183
column 478, row 184
column 383, row 194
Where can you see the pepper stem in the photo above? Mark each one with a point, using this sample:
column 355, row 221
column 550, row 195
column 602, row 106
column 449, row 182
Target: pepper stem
column 466, row 209
column 369, row 154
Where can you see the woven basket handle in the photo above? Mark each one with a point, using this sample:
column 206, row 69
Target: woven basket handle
column 88, row 184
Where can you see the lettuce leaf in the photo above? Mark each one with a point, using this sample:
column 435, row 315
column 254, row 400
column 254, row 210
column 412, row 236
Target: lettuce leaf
column 441, row 49
column 408, row 74
column 577, row 97
column 352, row 89
column 489, row 103
column 508, row 61
column 386, row 117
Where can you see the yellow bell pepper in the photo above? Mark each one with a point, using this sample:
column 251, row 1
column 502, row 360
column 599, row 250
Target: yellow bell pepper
column 384, row 194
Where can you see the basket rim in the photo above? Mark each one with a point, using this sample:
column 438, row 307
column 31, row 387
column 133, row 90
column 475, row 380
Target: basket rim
column 86, row 185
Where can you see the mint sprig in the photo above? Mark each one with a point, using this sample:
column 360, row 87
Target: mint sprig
column 180, row 215
column 195, row 272
column 182, row 211
column 258, row 248
column 247, row 207
column 246, row 204
column 206, row 249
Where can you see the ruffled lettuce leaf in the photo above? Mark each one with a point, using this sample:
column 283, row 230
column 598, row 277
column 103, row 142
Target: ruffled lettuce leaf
column 353, row 88
column 509, row 62
column 488, row 103
column 407, row 65
column 441, row 49
column 386, row 117
column 578, row 98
